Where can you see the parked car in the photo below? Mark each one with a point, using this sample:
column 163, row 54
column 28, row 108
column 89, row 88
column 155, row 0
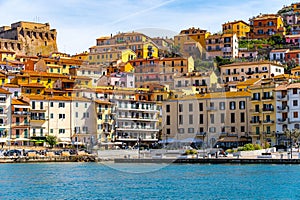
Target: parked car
column 12, row 152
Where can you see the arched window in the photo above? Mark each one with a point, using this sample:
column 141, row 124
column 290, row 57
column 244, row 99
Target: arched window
column 1, row 110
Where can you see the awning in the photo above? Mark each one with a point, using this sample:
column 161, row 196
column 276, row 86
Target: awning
column 22, row 139
column 20, row 106
column 64, row 139
column 78, row 143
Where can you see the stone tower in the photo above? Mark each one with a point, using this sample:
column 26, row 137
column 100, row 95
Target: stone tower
column 28, row 38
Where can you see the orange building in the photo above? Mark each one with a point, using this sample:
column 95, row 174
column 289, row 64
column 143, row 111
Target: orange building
column 266, row 25
column 20, row 121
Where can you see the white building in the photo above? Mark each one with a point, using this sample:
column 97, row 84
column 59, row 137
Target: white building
column 5, row 114
column 136, row 120
column 288, row 110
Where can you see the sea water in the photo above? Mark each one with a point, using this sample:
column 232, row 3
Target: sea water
column 148, row 181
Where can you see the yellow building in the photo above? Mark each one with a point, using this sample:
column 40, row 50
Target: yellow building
column 109, row 49
column 240, row 28
column 189, row 38
column 263, row 112
column 7, row 55
column 107, row 57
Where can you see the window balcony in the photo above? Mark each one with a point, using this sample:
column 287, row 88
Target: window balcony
column 268, row 109
column 283, row 120
column 282, row 98
column 282, row 108
column 267, row 98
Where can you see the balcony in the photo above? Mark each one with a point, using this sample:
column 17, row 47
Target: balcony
column 268, row 122
column 38, row 118
column 283, row 120
column 266, row 98
column 255, row 110
column 201, row 134
column 255, row 122
column 268, row 109
column 249, row 72
column 211, row 108
column 282, row 98
column 21, row 113
column 282, row 109
column 255, row 99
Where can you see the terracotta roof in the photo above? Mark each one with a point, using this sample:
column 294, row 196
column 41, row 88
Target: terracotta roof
column 280, row 87
column 248, row 82
column 103, row 102
column 279, row 50
column 18, row 102
column 35, row 85
column 10, row 85
column 293, row 85
column 3, row 91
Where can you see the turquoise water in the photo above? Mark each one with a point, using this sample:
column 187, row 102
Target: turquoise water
column 98, row 181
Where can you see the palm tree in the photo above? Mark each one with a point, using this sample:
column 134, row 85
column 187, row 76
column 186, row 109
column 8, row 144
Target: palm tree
column 51, row 140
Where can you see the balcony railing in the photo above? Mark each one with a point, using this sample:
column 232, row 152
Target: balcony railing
column 267, row 97
column 268, row 121
column 268, row 109
column 21, row 113
column 283, row 120
column 282, row 98
column 255, row 99
column 211, row 108
column 255, row 121
column 282, row 108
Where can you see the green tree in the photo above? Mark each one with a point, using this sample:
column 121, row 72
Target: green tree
column 51, row 140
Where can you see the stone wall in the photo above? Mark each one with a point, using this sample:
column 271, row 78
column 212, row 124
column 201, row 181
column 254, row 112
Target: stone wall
column 28, row 38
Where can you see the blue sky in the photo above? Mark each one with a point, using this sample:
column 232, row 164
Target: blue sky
column 80, row 22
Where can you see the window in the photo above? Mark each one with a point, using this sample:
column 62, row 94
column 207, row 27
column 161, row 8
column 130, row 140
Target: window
column 200, row 106
column 51, row 104
column 85, row 105
column 85, row 129
column 212, row 118
column 191, row 119
column 51, row 130
column 168, row 131
column 232, row 117
column 180, row 119
column 242, row 105
column 76, row 114
column 242, row 129
column 76, row 104
column 222, row 117
column 295, row 102
column 222, row 105
column 168, row 108
column 41, row 105
column 61, row 116
column 61, row 105
column 232, row 105
column 61, row 131
column 181, row 130
column 295, row 114
column 180, row 108
column 168, row 120
column 242, row 117
column 190, row 130
column 212, row 129
column 294, row 90
column 201, row 119
column 51, row 115
column 33, row 104
column 190, row 107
